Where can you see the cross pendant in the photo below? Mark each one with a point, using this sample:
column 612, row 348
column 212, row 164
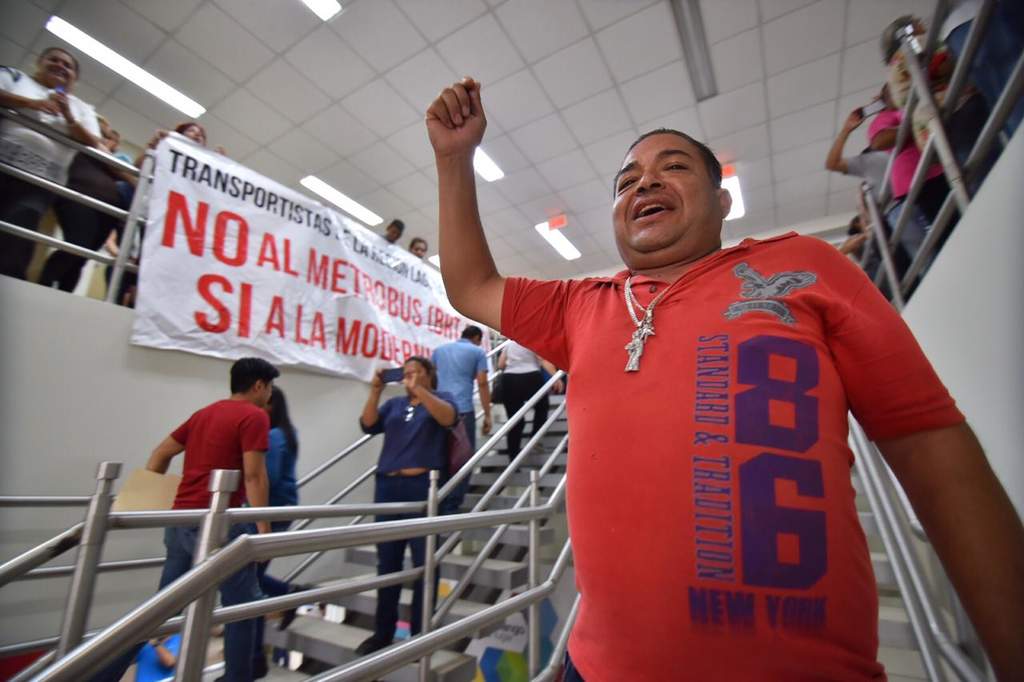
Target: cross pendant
column 636, row 343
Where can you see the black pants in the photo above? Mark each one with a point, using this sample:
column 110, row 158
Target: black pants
column 518, row 388
column 23, row 205
column 81, row 226
column 569, row 671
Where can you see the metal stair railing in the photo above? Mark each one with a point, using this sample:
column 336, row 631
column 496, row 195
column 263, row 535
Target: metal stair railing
column 929, row 632
column 554, row 666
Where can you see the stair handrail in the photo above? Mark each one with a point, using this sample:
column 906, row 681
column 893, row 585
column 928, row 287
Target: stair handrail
column 554, row 666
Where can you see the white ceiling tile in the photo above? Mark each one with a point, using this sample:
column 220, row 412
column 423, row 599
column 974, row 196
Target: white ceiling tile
column 544, row 139
column 384, row 202
column 802, row 187
column 837, row 182
column 303, row 151
column 481, row 50
column 842, row 202
column 803, row 36
column 175, row 64
column 601, row 13
column 573, row 74
column 685, row 121
column 167, row 15
column 801, row 160
column 133, row 126
column 507, row 224
column 278, row 24
column 755, row 173
column 642, row 42
column 803, row 86
column 597, row 117
column 488, row 198
column 347, row 179
column 862, row 68
column 127, row 33
column 522, row 186
column 539, row 33
column 288, row 91
column 364, row 25
column 732, row 111
column 659, row 92
column 751, row 143
column 865, row 19
column 586, row 196
column 415, row 189
column 774, row 8
column 147, row 105
column 758, row 199
column 514, row 265
column 413, row 144
column 516, row 100
column 220, row 40
column 504, row 152
column 421, row 78
column 20, row 21
column 221, row 134
column 381, row 163
column 318, row 56
column 737, row 61
column 380, row 108
column 435, row 19
column 273, row 166
column 500, row 248
column 543, row 208
column 607, row 154
column 726, row 18
column 251, row 116
column 748, row 225
column 567, row 170
column 13, row 53
column 790, row 214
column 813, row 123
column 340, row 130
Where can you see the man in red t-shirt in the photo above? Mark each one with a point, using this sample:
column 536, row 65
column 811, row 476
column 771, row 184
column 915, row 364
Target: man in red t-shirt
column 709, row 499
column 228, row 434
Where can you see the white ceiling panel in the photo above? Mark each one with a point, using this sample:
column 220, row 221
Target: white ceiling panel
column 303, row 151
column 841, row 202
column 21, row 21
column 347, row 179
column 736, row 61
column 567, row 170
column 435, row 19
column 801, row 160
column 601, row 13
column 862, row 68
column 167, row 15
column 726, row 18
column 278, row 24
column 803, row 86
column 750, row 224
column 318, row 57
column 149, row 106
column 803, row 36
column 175, row 63
column 222, row 134
column 733, row 111
column 544, row 139
column 758, row 200
column 488, row 198
column 755, row 173
column 481, row 50
column 413, row 144
column 587, row 196
column 751, row 143
column 685, row 121
column 385, row 203
column 837, row 182
column 135, row 36
column 421, row 78
column 543, row 208
column 220, row 40
column 500, row 248
column 504, row 152
column 807, row 125
column 523, row 186
column 538, row 34
column 659, row 92
column 251, row 116
column 416, row 189
column 794, row 190
column 516, row 100
column 13, row 53
column 288, row 91
column 770, row 9
column 573, row 74
column 381, row 163
column 365, row 23
column 273, row 166
column 339, row 130
column 133, row 126
column 597, row 117
column 380, row 108
column 641, row 42
column 866, row 19
column 793, row 213
column 607, row 154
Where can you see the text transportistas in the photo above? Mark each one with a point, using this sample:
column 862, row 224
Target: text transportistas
column 235, row 264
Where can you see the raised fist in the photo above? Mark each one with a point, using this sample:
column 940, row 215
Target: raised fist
column 455, row 120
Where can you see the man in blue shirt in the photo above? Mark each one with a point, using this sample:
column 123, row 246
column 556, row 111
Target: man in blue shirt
column 458, row 364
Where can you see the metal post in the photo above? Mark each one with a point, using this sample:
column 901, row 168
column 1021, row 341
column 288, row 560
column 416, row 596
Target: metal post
column 131, row 226
column 883, row 247
column 196, row 633
column 429, row 573
column 533, row 567
column 83, row 580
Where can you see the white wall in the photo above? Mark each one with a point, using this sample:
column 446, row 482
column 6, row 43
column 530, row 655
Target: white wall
column 73, row 392
column 968, row 315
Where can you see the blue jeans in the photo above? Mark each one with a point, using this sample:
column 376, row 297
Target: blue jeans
column 239, row 588
column 569, row 671
column 271, row 587
column 451, row 504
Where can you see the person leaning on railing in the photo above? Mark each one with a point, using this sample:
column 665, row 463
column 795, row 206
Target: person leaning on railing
column 415, row 428
column 45, row 96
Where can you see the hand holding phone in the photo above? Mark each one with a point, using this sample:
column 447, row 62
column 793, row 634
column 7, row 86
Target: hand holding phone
column 392, row 376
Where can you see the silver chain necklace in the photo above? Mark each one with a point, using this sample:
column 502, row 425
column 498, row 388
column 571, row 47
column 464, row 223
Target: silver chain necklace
column 644, row 327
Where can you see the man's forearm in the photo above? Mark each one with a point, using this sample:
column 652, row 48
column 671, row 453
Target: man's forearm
column 257, row 489
column 834, row 160
column 485, row 396
column 371, row 413
column 441, row 410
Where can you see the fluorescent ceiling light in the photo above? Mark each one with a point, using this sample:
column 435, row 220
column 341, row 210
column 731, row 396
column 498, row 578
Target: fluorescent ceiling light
column 559, row 241
column 124, row 67
column 435, row 259
column 325, row 9
column 485, row 166
column 732, row 183
column 350, row 206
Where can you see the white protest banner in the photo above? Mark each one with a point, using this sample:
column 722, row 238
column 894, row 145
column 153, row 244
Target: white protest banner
column 235, row 264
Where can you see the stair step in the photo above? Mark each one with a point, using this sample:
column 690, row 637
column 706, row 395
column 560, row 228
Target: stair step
column 335, row 644
column 517, row 535
column 496, row 502
column 519, row 478
column 869, row 523
column 902, row 663
column 534, row 460
column 884, row 576
column 894, row 628
column 505, row 575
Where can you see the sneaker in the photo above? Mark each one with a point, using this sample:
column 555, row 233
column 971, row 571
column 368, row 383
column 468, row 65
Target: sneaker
column 372, row 643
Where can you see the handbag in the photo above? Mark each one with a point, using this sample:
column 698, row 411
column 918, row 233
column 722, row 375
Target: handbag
column 498, row 390
column 459, row 449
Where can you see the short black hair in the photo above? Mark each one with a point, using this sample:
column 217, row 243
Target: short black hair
column 397, row 223
column 854, row 227
column 74, row 59
column 247, row 371
column 711, row 163
column 472, row 332
column 427, row 365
